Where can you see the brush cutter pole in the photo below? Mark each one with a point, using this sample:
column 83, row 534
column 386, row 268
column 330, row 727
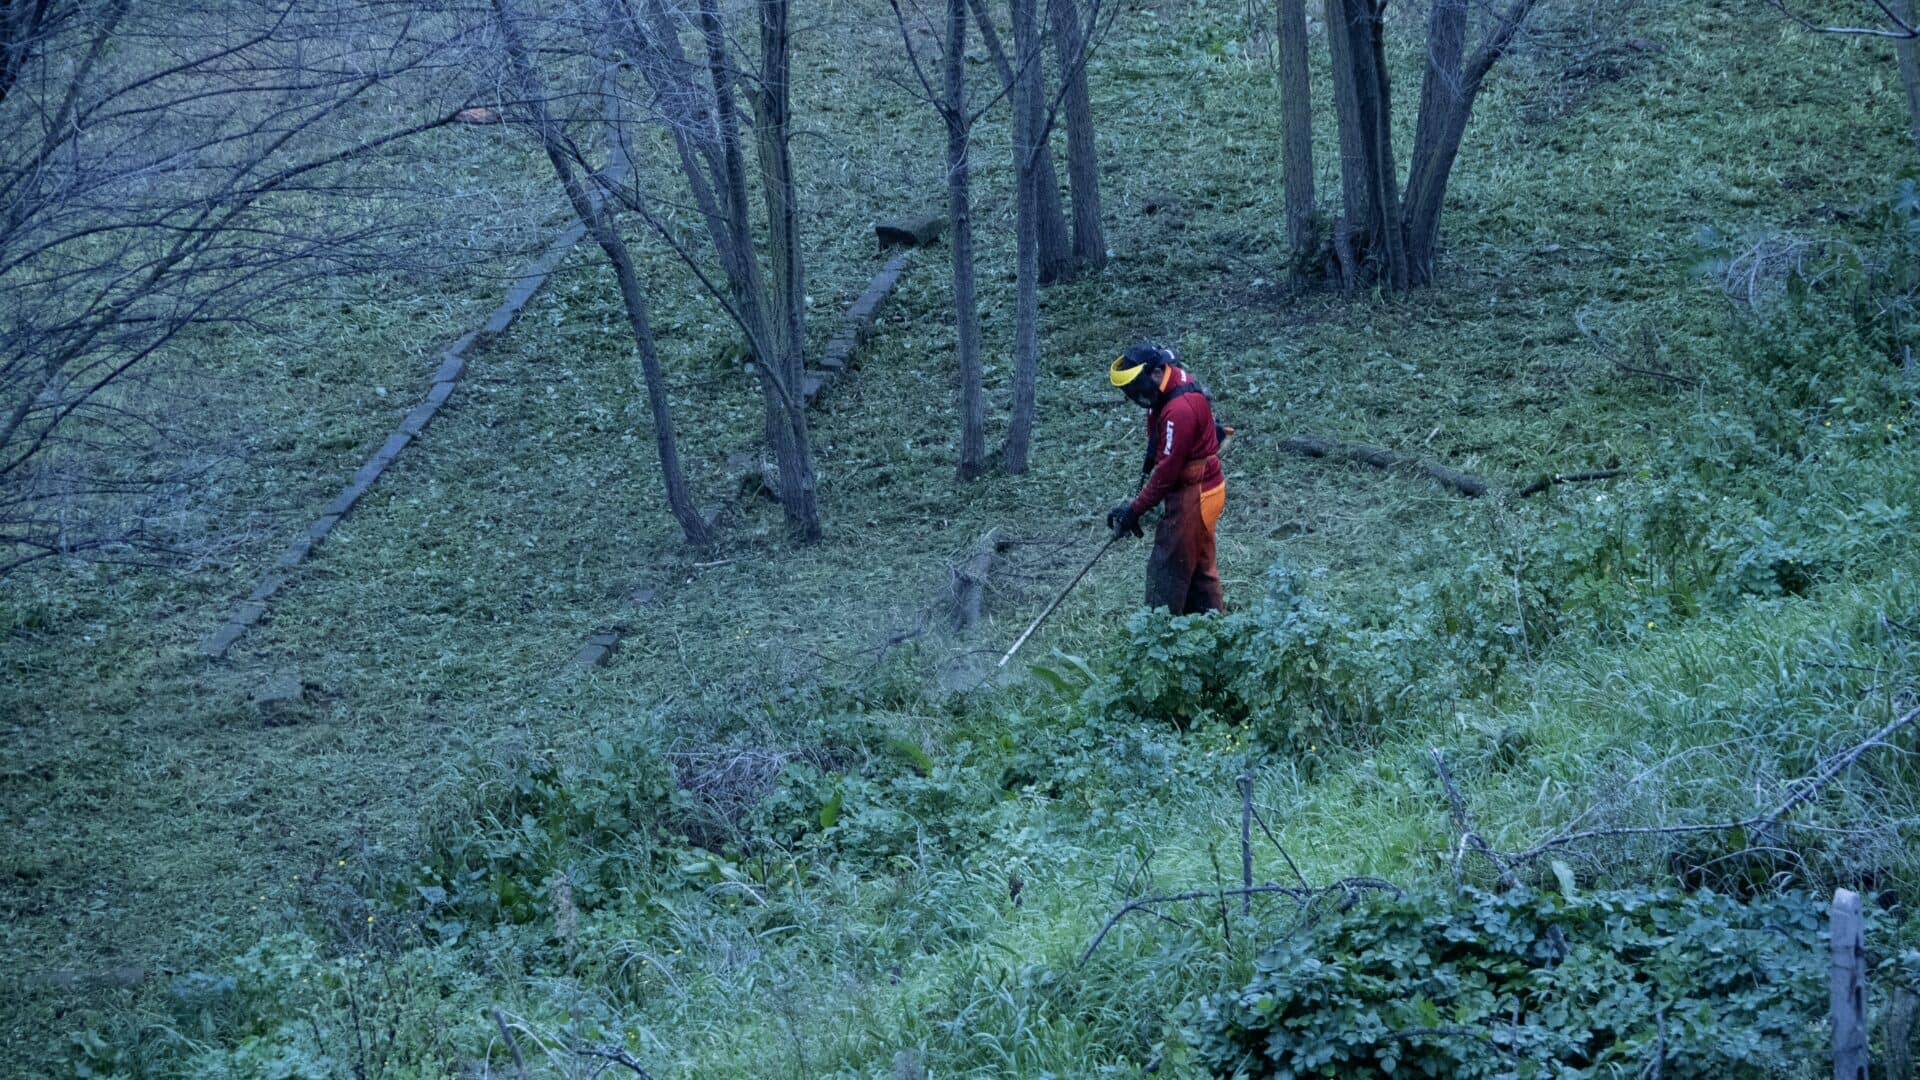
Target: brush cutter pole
column 1071, row 585
column 1077, row 578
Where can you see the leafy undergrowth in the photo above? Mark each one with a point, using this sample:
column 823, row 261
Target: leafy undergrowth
column 763, row 842
column 1529, row 984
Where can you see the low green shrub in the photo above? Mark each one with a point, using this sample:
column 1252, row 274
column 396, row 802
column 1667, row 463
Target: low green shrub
column 591, row 818
column 1300, row 671
column 1829, row 337
column 1528, row 983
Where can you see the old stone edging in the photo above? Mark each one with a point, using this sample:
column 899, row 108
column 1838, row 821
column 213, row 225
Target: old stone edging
column 834, row 362
column 453, row 364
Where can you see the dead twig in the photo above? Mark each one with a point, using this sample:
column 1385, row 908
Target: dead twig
column 1611, row 352
column 1550, row 480
column 1220, row 892
column 1470, row 838
column 1245, row 783
column 1758, row 823
column 1291, row 865
column 1352, row 887
column 613, row 1055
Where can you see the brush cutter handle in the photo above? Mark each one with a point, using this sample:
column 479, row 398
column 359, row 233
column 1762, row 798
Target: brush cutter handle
column 1056, row 600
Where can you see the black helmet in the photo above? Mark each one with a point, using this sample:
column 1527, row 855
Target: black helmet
column 1136, row 371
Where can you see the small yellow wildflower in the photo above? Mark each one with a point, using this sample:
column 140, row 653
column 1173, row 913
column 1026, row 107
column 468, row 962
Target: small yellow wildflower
column 369, row 918
column 343, row 862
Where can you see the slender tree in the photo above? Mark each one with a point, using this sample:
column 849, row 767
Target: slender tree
column 531, row 96
column 1387, row 235
column 1054, row 240
column 1296, row 128
column 698, row 102
column 1083, row 160
column 949, row 100
column 1028, row 148
column 1034, row 115
column 966, row 307
column 773, row 127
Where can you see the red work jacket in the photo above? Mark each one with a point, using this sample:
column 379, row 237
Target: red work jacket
column 1182, row 445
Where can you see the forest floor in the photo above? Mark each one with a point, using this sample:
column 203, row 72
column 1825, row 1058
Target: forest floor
column 158, row 820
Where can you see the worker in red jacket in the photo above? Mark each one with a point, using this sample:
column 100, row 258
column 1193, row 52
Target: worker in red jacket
column 1182, row 473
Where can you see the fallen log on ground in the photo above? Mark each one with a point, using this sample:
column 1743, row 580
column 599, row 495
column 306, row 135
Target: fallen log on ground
column 1316, row 447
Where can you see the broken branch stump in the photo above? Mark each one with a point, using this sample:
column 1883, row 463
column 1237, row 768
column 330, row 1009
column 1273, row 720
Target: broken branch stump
column 970, row 580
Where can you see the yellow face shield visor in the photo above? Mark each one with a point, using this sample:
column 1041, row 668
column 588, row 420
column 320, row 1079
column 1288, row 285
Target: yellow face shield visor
column 1120, row 374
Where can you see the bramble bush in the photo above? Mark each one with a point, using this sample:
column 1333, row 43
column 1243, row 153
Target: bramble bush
column 1529, row 984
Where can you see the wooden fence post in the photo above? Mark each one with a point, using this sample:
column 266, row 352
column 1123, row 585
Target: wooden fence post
column 1849, row 988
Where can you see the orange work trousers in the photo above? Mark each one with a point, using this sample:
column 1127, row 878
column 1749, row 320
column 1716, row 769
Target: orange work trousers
column 1181, row 573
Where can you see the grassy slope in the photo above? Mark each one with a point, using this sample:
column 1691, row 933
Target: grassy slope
column 157, row 822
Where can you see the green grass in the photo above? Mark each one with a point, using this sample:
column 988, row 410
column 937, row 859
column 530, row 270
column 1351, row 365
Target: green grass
column 158, row 822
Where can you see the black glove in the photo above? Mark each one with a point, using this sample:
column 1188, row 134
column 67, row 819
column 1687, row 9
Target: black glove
column 1122, row 520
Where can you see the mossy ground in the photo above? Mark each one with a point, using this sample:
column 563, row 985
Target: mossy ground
column 156, row 821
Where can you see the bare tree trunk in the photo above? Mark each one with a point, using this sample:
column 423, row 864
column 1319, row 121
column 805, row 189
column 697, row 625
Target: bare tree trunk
column 966, row 307
column 1903, row 52
column 1083, row 161
column 598, row 223
column 772, row 322
column 1346, row 111
column 772, row 120
column 1376, row 101
column 1368, row 147
column 1027, row 150
column 1443, row 111
column 679, row 496
column 1296, row 128
column 1446, row 104
column 788, row 308
column 743, row 275
column 1056, row 250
